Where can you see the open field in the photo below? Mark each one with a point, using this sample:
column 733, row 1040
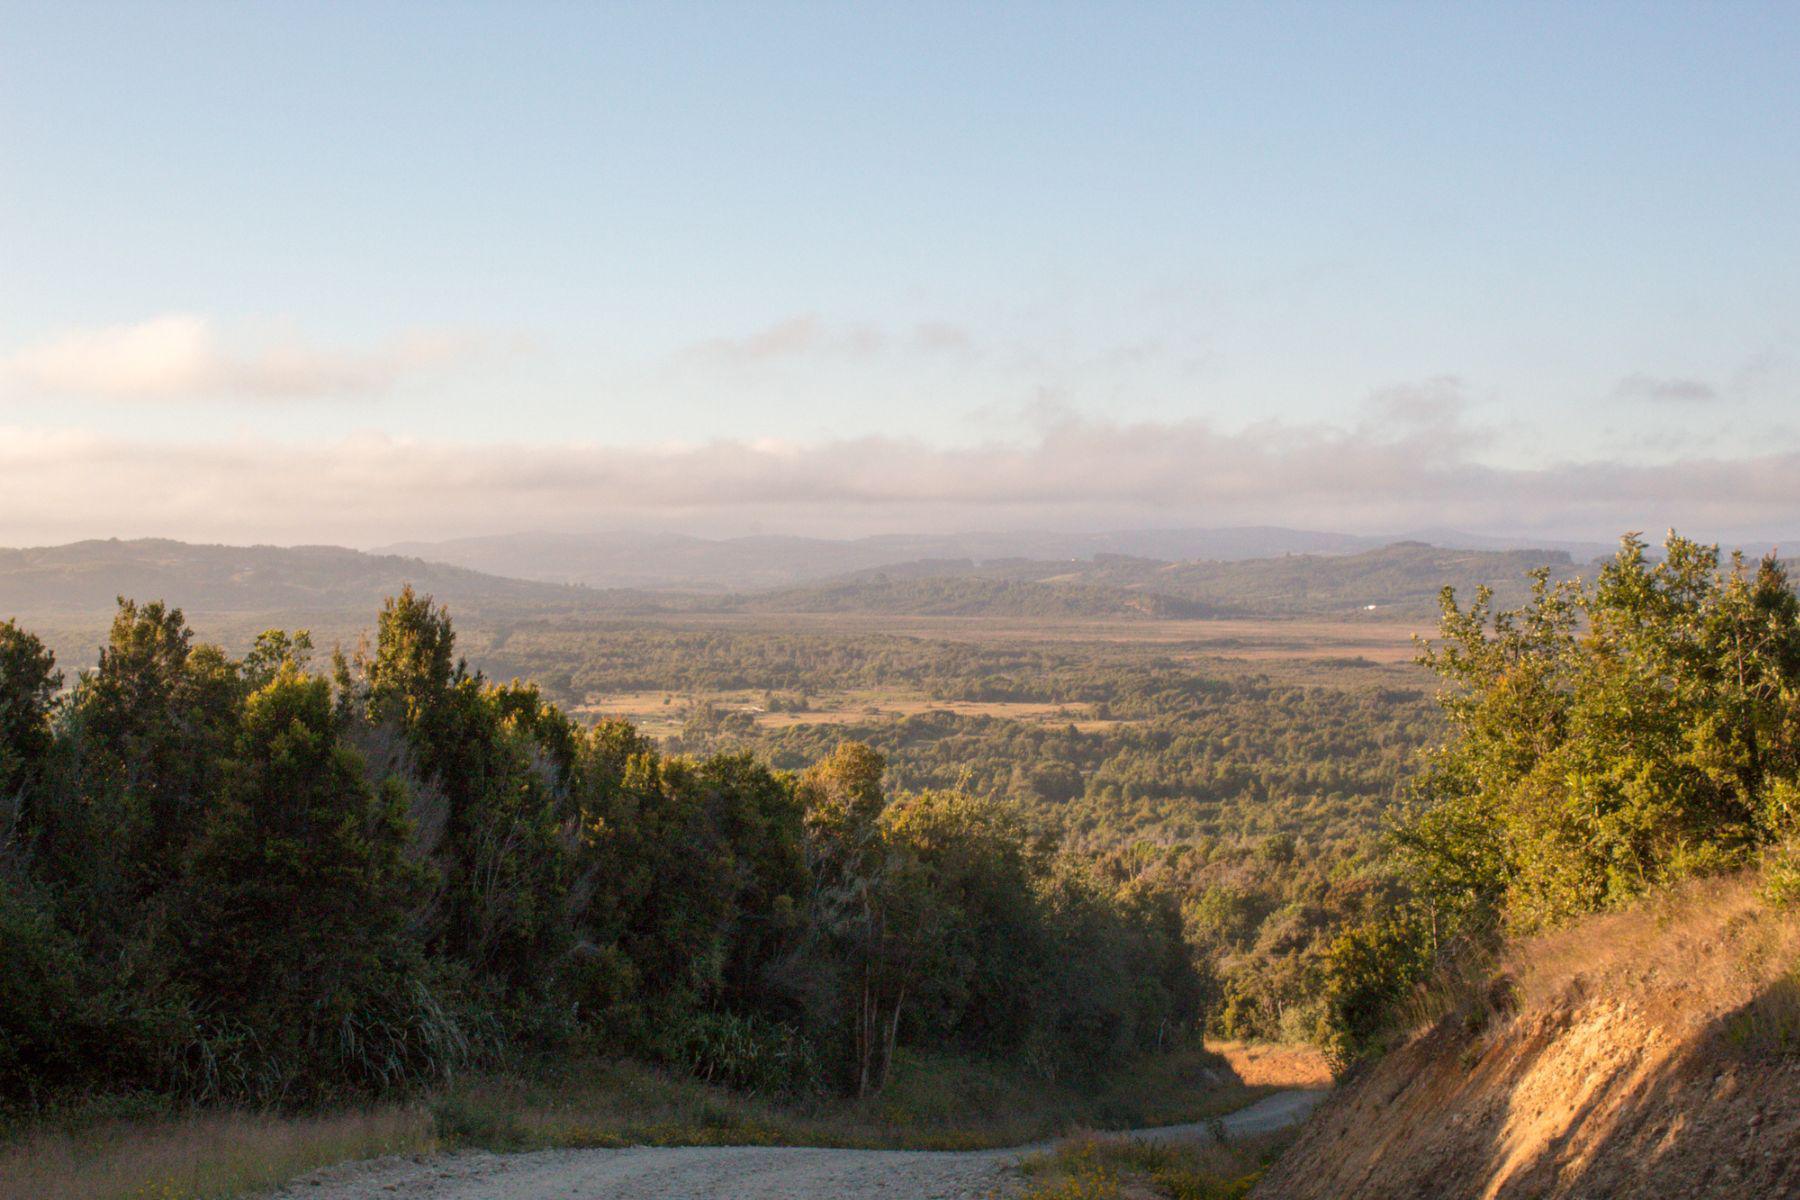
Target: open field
column 662, row 713
column 76, row 636
column 1380, row 640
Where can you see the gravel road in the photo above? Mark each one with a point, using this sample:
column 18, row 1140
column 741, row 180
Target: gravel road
column 727, row 1172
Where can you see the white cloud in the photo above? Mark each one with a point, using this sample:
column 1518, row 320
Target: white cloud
column 1074, row 473
column 1662, row 390
column 807, row 336
column 182, row 356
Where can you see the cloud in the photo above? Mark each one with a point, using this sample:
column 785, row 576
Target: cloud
column 801, row 336
column 182, row 356
column 1071, row 473
column 790, row 338
column 1664, row 390
column 942, row 337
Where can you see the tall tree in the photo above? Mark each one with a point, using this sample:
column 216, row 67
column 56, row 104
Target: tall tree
column 28, row 684
column 297, row 907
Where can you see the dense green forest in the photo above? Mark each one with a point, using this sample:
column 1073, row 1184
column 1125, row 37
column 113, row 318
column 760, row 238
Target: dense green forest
column 246, row 879
column 1606, row 739
column 1255, row 792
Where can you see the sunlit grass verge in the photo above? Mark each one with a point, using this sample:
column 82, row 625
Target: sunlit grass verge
column 202, row 1157
column 1096, row 1167
column 933, row 1103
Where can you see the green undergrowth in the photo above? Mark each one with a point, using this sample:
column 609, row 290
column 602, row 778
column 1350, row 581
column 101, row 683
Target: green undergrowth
column 1108, row 1168
column 934, row 1102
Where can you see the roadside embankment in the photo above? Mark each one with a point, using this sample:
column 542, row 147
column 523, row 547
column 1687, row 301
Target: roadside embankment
column 1649, row 1053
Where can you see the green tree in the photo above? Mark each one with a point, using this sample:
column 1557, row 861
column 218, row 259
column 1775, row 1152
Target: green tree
column 155, row 722
column 297, row 908
column 28, row 684
column 1606, row 739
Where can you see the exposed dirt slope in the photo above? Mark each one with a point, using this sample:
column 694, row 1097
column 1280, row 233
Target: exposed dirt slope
column 1649, row 1054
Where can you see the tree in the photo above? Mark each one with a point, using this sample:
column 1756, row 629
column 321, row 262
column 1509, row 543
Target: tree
column 1606, row 739
column 28, row 684
column 155, row 723
column 296, row 912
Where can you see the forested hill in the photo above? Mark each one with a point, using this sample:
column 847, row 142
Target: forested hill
column 88, row 576
column 1401, row 580
column 674, row 562
column 317, row 583
column 971, row 595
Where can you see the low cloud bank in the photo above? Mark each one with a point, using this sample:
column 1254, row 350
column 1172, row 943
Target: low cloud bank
column 183, row 357
column 57, row 486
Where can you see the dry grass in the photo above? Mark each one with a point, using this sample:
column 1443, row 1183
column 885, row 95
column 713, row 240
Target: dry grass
column 1272, row 1064
column 1707, row 945
column 201, row 1157
column 1094, row 1167
column 662, row 714
column 1378, row 639
column 932, row 1103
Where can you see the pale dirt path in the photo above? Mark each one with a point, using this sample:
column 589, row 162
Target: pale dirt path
column 729, row 1172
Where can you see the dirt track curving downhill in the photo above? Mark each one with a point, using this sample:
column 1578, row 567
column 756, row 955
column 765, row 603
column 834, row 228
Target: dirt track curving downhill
column 728, row 1172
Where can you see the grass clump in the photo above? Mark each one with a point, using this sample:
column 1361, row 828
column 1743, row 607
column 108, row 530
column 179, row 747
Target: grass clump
column 1093, row 1167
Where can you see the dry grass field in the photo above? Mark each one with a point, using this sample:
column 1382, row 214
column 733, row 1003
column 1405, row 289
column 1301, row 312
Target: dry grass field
column 1377, row 639
column 662, row 713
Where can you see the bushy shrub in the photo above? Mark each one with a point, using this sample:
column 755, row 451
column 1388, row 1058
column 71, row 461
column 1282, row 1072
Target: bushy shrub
column 1369, row 969
column 748, row 1053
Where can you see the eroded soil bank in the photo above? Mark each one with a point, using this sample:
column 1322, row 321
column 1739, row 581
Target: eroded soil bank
column 1646, row 1054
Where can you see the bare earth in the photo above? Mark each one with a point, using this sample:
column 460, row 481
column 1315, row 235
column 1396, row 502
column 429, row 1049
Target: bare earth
column 728, row 1172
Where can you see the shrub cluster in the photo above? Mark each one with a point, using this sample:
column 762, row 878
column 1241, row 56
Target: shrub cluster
column 1606, row 739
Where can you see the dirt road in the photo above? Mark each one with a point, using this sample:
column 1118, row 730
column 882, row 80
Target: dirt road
column 727, row 1172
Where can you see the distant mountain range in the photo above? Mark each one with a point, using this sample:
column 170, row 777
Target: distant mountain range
column 329, row 582
column 664, row 561
column 1403, row 579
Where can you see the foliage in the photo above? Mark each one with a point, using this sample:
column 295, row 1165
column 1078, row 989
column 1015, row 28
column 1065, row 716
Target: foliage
column 1370, row 968
column 1606, row 739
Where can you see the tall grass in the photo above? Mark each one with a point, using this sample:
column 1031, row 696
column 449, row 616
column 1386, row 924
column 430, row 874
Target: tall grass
column 1101, row 1168
column 202, row 1157
column 934, row 1102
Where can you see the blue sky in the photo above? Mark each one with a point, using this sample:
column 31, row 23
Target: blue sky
column 831, row 267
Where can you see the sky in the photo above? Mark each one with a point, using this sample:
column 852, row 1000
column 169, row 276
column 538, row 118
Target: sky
column 366, row 272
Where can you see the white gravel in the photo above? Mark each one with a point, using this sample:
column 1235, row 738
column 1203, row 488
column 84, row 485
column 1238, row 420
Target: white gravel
column 727, row 1172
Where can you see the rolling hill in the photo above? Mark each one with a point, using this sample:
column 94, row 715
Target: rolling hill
column 83, row 576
